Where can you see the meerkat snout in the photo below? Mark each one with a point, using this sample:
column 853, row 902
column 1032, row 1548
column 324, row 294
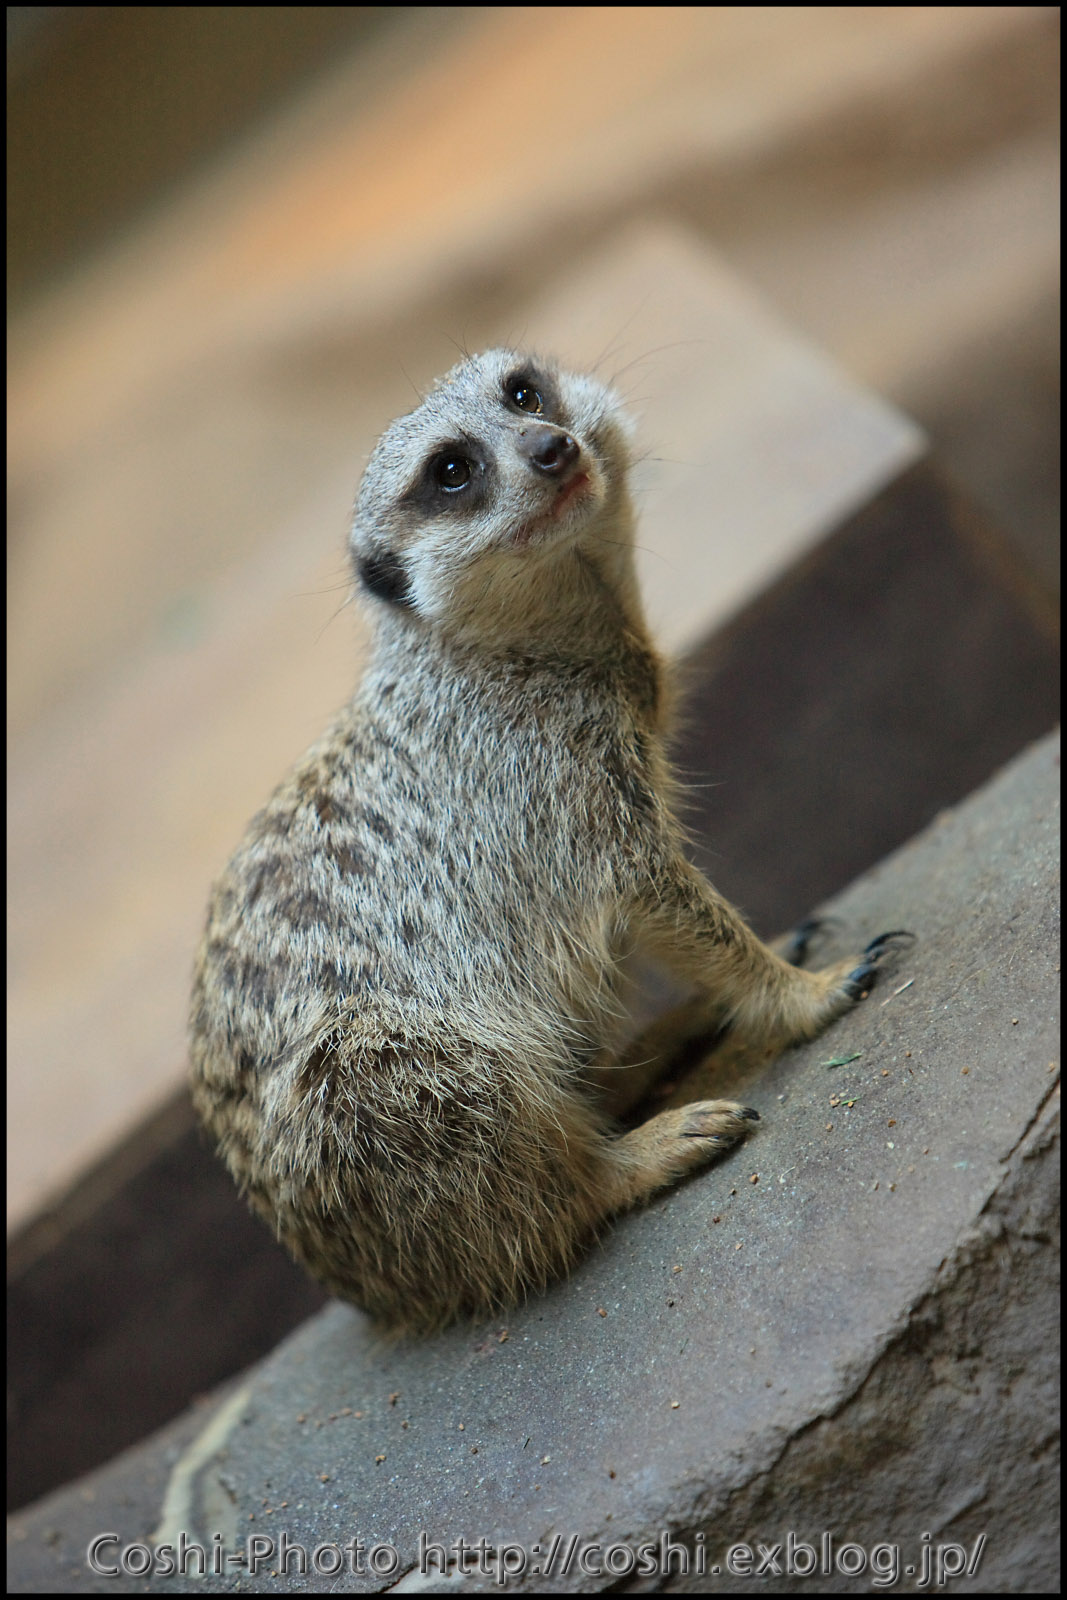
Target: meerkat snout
column 548, row 450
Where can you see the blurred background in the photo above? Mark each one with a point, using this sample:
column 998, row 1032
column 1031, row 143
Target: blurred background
column 242, row 238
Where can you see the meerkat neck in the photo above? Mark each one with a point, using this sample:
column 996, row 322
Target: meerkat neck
column 576, row 602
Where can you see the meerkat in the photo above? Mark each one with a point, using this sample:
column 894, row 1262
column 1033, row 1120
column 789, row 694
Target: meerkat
column 406, row 1021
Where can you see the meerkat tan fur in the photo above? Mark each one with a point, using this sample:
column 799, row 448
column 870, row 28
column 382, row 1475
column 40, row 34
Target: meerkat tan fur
column 407, row 993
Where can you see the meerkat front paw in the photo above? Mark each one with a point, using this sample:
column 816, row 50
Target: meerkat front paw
column 851, row 980
column 791, row 1005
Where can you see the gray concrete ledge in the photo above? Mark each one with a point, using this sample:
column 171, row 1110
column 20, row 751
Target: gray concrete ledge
column 849, row 1327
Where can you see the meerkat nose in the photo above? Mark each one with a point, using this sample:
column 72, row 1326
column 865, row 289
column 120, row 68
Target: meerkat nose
column 548, row 450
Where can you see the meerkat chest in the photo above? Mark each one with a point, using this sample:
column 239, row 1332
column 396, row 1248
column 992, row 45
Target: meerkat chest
column 450, row 829
column 539, row 756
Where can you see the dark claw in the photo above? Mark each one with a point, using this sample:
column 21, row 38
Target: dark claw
column 865, row 976
column 749, row 1114
column 746, row 1112
column 859, row 980
column 878, row 947
column 801, row 938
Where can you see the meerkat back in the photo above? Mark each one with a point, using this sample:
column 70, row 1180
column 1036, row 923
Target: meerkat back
column 405, row 1022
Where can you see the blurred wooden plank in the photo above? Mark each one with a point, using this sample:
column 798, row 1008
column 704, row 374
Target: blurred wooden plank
column 81, row 79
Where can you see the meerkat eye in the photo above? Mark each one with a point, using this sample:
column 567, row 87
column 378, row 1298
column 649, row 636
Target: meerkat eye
column 524, row 396
column 451, row 472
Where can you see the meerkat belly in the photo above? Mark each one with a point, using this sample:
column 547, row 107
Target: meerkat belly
column 500, row 930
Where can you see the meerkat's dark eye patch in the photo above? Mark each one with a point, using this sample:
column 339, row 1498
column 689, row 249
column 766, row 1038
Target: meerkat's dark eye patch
column 384, row 574
column 452, row 476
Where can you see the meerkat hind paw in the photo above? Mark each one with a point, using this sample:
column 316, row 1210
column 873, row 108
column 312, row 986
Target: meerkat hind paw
column 720, row 1120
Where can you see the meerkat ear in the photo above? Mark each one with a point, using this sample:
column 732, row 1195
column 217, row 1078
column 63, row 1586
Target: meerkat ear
column 383, row 573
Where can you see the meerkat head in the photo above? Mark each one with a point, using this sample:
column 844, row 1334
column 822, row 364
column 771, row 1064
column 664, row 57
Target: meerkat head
column 506, row 464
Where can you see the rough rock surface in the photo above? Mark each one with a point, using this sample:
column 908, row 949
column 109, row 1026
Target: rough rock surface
column 848, row 1328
